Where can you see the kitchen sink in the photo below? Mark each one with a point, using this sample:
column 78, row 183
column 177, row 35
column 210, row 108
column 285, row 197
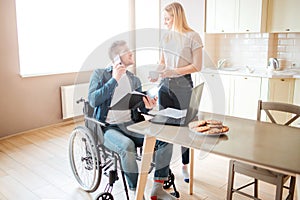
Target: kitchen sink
column 229, row 68
column 224, row 68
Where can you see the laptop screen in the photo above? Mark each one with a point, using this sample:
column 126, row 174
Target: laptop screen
column 194, row 103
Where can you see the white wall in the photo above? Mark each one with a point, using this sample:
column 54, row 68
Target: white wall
column 195, row 12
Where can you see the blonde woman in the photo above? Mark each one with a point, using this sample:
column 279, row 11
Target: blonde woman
column 181, row 55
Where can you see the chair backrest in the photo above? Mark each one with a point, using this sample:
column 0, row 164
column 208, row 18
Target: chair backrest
column 276, row 106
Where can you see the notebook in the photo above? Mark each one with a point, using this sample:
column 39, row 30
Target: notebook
column 191, row 111
column 129, row 101
column 134, row 99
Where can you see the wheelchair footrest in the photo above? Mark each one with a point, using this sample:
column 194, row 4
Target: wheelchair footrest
column 113, row 177
column 175, row 194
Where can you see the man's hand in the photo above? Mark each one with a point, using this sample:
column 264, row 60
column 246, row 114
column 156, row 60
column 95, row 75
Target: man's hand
column 118, row 71
column 149, row 103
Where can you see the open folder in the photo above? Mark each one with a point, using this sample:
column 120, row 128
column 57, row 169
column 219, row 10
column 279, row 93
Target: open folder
column 129, row 101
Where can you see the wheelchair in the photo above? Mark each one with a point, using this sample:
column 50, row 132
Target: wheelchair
column 90, row 159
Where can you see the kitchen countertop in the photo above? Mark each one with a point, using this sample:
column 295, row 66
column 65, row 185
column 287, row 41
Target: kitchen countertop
column 254, row 72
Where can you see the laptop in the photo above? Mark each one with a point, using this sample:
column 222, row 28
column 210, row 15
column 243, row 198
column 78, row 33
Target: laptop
column 191, row 111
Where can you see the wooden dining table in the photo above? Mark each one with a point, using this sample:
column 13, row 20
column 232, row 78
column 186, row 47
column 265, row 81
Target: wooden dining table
column 272, row 146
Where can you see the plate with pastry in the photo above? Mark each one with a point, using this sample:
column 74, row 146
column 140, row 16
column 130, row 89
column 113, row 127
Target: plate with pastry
column 208, row 127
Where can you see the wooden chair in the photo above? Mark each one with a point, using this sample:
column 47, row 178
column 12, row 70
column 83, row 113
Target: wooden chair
column 259, row 173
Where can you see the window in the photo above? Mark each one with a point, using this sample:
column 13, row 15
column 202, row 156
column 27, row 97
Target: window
column 56, row 36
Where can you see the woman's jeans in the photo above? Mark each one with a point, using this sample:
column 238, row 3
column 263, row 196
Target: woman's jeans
column 176, row 93
column 118, row 139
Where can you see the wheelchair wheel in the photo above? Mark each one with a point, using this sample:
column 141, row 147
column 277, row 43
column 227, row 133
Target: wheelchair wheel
column 84, row 159
column 168, row 183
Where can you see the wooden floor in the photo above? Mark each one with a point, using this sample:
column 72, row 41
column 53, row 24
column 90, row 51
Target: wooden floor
column 35, row 165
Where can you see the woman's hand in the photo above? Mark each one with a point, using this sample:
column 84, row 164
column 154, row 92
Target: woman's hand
column 149, row 102
column 169, row 73
column 153, row 79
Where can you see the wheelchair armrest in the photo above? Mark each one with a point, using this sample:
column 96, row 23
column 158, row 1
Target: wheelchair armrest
column 95, row 121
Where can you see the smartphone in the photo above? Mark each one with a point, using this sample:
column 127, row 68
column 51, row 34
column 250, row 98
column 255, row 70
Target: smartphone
column 117, row 60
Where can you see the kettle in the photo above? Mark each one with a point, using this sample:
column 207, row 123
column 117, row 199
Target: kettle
column 273, row 64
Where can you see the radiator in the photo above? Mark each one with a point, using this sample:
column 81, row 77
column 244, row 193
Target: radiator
column 69, row 95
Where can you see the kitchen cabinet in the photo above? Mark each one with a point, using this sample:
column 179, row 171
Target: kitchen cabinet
column 196, row 77
column 283, row 16
column 245, row 93
column 216, row 94
column 236, row 16
column 233, row 95
column 220, row 16
column 252, row 16
column 238, row 95
column 279, row 90
column 296, row 100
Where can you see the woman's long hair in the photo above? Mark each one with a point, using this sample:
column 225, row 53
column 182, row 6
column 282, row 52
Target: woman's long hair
column 180, row 25
column 179, row 20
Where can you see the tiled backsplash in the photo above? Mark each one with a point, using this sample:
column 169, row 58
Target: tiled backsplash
column 288, row 48
column 252, row 49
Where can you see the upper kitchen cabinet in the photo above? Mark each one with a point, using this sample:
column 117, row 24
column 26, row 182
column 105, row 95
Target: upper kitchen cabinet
column 236, row 16
column 220, row 16
column 283, row 16
column 252, row 16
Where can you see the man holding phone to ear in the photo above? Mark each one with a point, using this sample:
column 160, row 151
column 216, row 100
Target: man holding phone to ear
column 108, row 86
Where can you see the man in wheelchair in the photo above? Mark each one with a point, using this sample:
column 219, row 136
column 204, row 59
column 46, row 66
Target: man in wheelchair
column 108, row 86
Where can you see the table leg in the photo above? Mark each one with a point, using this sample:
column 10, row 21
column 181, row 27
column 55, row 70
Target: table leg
column 191, row 185
column 148, row 148
column 298, row 185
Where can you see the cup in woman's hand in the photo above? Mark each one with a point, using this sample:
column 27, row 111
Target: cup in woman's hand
column 154, row 75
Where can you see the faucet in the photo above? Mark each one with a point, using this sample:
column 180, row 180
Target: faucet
column 221, row 63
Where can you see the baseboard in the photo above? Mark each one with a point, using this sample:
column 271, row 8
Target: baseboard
column 63, row 123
